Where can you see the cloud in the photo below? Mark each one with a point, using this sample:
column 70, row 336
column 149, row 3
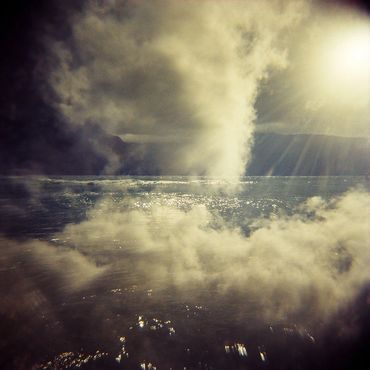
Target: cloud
column 303, row 268
column 36, row 273
column 184, row 69
column 306, row 266
column 299, row 269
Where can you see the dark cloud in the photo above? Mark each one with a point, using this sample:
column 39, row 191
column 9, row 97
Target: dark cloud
column 34, row 138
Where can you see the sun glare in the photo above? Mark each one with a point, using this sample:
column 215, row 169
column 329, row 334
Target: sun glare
column 350, row 55
column 343, row 63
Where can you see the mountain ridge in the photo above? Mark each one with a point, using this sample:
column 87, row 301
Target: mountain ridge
column 89, row 150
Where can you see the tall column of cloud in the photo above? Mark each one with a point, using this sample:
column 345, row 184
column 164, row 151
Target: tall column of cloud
column 181, row 71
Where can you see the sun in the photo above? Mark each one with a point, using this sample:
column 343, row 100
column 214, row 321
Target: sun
column 343, row 64
column 349, row 56
column 330, row 73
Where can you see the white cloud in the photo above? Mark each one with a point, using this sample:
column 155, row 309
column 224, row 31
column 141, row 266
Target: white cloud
column 309, row 264
column 304, row 267
column 173, row 68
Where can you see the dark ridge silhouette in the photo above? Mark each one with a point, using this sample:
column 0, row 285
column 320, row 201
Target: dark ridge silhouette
column 52, row 149
column 309, row 155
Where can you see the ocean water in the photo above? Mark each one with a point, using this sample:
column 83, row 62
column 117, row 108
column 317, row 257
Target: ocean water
column 149, row 273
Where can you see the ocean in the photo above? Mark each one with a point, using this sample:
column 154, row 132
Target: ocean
column 183, row 272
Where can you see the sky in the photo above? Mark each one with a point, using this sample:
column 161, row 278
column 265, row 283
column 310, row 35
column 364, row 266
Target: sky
column 102, row 87
column 328, row 72
column 196, row 79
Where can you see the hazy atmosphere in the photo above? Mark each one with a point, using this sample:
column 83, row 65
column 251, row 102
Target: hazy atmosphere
column 185, row 87
column 184, row 184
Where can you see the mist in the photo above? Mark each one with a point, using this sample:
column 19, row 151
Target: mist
column 312, row 263
column 128, row 249
column 186, row 72
column 308, row 266
column 36, row 276
column 183, row 258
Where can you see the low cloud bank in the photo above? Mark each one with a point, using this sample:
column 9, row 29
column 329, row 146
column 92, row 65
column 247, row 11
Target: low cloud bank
column 300, row 269
column 310, row 264
column 307, row 266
